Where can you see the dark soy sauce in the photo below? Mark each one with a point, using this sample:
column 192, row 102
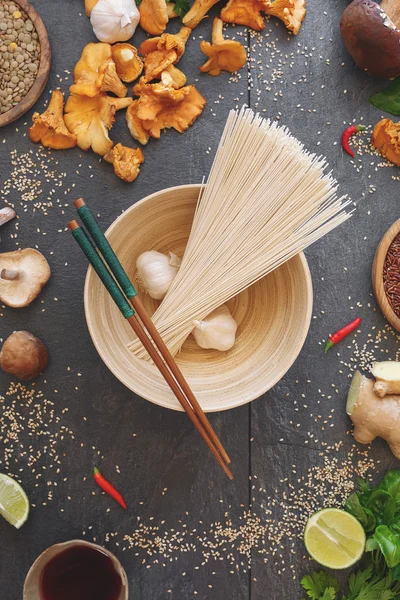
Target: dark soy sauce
column 81, row 573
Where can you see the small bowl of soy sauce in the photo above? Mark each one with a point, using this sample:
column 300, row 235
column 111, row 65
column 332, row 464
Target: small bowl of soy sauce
column 76, row 570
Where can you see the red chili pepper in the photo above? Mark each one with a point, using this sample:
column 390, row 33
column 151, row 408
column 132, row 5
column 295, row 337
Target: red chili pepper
column 342, row 333
column 346, row 135
column 108, row 488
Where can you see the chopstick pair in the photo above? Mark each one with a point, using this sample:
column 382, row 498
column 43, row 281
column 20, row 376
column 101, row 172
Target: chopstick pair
column 112, row 274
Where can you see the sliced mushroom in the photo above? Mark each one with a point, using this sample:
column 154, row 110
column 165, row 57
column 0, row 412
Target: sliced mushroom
column 23, row 355
column 23, row 274
column 6, row 214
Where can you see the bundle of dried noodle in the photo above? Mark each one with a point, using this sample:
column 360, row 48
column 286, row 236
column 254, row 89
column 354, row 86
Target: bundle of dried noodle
column 265, row 201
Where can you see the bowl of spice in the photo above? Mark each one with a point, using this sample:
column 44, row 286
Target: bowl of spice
column 386, row 275
column 76, row 570
column 25, row 57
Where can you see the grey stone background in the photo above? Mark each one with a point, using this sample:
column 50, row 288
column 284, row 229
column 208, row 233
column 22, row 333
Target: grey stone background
column 313, row 87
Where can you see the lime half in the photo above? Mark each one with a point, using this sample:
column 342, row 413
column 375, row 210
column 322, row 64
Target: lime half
column 334, row 538
column 14, row 503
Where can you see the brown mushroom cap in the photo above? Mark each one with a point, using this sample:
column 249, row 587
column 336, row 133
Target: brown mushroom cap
column 372, row 37
column 23, row 355
column 23, row 274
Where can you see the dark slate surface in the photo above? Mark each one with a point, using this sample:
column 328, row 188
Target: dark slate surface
column 167, row 476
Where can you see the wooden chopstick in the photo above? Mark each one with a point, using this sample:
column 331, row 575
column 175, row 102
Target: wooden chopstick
column 128, row 289
column 129, row 313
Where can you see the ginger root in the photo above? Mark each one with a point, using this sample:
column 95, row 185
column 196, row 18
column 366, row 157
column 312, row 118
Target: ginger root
column 387, row 375
column 371, row 416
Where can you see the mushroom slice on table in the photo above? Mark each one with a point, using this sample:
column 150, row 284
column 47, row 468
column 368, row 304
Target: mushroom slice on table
column 126, row 161
column 153, row 16
column 371, row 34
column 95, row 72
column 6, row 214
column 128, row 63
column 291, row 12
column 91, row 118
column 246, row 12
column 197, row 12
column 23, row 273
column 49, row 128
column 386, row 139
column 223, row 55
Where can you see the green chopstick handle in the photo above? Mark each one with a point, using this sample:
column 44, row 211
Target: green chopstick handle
column 108, row 253
column 101, row 270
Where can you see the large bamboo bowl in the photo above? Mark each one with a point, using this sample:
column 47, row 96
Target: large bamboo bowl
column 273, row 315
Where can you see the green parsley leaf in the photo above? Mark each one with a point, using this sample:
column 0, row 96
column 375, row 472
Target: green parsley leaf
column 181, row 7
column 320, row 586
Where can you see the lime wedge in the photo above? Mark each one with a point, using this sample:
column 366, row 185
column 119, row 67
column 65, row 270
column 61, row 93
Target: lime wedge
column 14, row 503
column 334, row 538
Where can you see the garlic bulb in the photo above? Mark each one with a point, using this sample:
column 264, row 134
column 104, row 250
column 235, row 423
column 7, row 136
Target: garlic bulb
column 217, row 331
column 156, row 272
column 114, row 20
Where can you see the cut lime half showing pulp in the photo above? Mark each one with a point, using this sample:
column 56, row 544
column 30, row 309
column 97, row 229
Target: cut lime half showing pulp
column 334, row 538
column 14, row 503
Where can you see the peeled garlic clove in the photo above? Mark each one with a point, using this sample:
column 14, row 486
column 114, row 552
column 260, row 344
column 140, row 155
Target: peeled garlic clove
column 217, row 331
column 156, row 272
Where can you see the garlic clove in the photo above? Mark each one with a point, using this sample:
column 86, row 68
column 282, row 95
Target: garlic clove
column 156, row 272
column 114, row 20
column 217, row 331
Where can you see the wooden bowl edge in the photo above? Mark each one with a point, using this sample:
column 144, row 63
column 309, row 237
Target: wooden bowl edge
column 44, row 68
column 377, row 275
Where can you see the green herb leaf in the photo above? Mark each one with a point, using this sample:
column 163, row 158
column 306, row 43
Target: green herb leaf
column 389, row 545
column 389, row 98
column 320, row 586
column 362, row 513
column 391, row 483
column 181, row 7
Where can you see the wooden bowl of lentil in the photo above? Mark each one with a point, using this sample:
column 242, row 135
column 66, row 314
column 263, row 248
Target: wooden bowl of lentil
column 386, row 275
column 34, row 73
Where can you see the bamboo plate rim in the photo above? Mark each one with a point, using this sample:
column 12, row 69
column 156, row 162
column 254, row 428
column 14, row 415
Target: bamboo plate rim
column 377, row 275
column 43, row 73
column 241, row 401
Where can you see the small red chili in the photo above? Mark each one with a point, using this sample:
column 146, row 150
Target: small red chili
column 346, row 135
column 108, row 488
column 342, row 333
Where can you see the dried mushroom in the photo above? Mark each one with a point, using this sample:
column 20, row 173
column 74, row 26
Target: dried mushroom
column 49, row 128
column 386, row 139
column 126, row 161
column 6, row 214
column 246, row 12
column 89, row 6
column 153, row 16
column 23, row 355
column 161, row 52
column 160, row 107
column 91, row 118
column 128, row 63
column 23, row 273
column 223, row 55
column 197, row 12
column 95, row 72
column 291, row 12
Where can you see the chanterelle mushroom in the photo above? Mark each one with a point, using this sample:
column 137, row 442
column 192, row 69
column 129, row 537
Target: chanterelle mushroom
column 90, row 118
column 126, row 161
column 23, row 355
column 128, row 63
column 291, row 12
column 198, row 10
column 223, row 55
column 161, row 52
column 153, row 16
column 23, row 273
column 6, row 214
column 371, row 34
column 386, row 138
column 245, row 12
column 49, row 128
column 95, row 72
